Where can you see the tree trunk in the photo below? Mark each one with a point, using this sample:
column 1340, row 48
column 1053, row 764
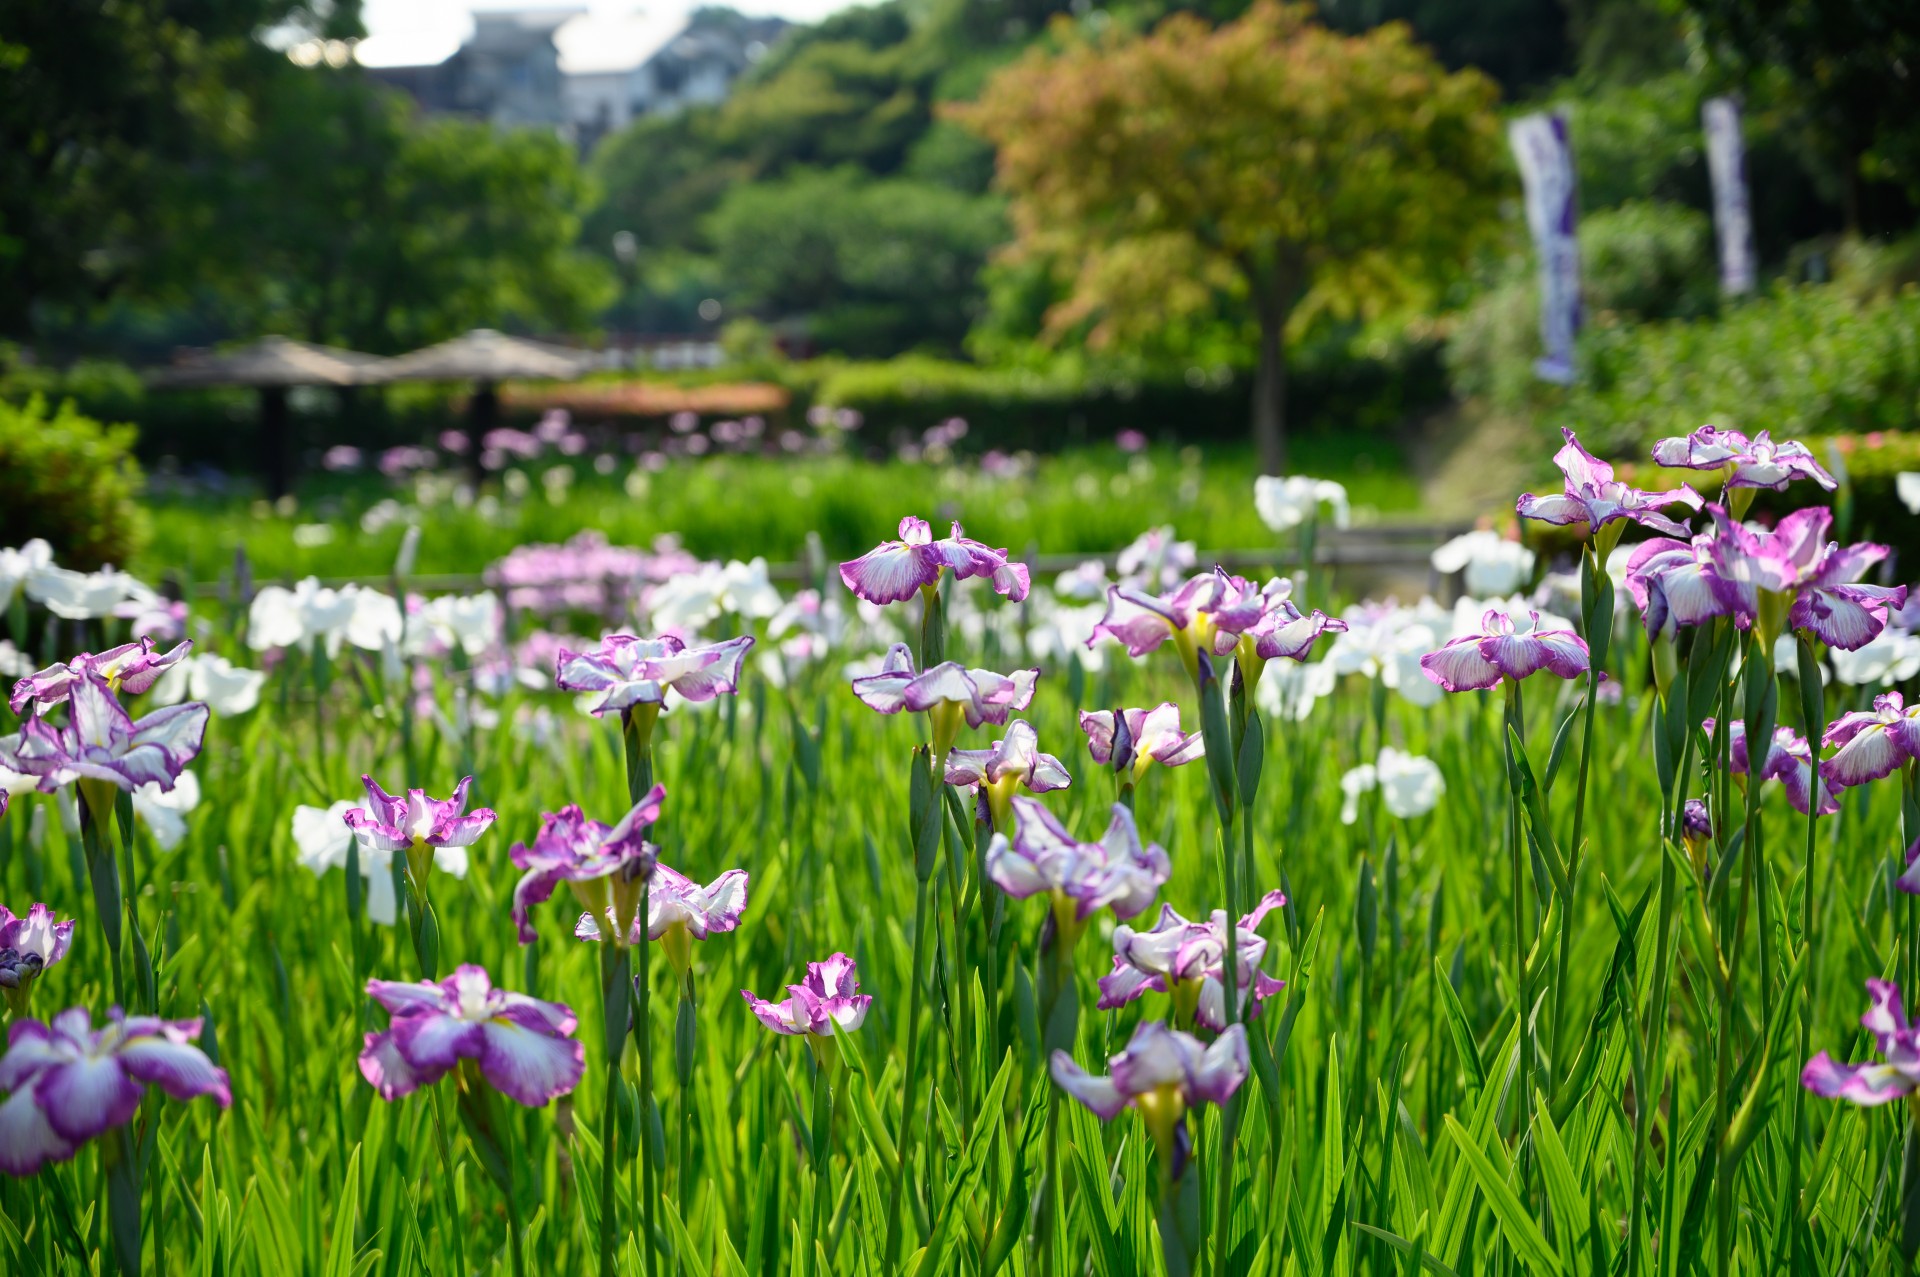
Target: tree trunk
column 1270, row 394
column 483, row 413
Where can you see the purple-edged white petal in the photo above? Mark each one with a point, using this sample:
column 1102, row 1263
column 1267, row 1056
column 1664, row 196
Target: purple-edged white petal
column 1222, row 1067
column 529, row 1066
column 27, row 1140
column 389, row 1072
column 1865, row 1084
column 1459, row 666
column 86, row 1096
column 1098, row 1093
column 181, row 1070
column 891, row 572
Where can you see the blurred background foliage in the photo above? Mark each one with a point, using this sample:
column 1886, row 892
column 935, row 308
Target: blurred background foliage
column 166, row 180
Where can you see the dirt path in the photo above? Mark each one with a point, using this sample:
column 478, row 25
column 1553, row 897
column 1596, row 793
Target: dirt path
column 1471, row 463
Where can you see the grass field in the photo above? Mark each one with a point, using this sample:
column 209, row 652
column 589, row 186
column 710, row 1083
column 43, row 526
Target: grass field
column 742, row 506
column 1644, row 1117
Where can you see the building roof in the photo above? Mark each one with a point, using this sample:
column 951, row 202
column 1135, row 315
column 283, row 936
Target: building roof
column 272, row 361
column 486, row 355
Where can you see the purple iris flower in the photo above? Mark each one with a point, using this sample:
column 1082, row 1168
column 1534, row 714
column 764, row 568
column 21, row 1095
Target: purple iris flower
column 1080, row 878
column 894, row 571
column 1873, row 743
column 70, row 1082
column 635, row 671
column 1749, row 463
column 1213, row 612
column 1162, row 1073
column 1593, row 497
column 828, row 995
column 1188, row 960
column 100, row 743
column 1504, row 650
column 981, row 695
column 130, row 669
column 524, row 1047
column 1789, row 760
column 420, row 826
column 28, row 946
column 680, row 911
column 1745, row 570
column 1129, row 739
column 1014, row 762
column 1673, row 580
column 605, row 865
column 1871, row 1084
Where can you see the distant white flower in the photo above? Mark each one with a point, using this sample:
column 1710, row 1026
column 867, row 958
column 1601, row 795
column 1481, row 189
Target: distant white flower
column 1289, row 690
column 1410, row 785
column 1288, row 502
column 1907, row 484
column 228, row 689
column 165, row 813
column 1892, row 657
column 1492, row 563
column 1155, row 561
column 310, row 536
column 1088, row 581
column 19, row 566
column 1386, row 642
column 689, row 601
column 280, row 617
column 82, row 596
column 1354, row 782
column 470, row 622
column 375, row 624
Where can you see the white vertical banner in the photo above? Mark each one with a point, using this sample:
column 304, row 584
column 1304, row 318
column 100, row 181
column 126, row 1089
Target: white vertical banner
column 1545, row 155
column 1732, row 217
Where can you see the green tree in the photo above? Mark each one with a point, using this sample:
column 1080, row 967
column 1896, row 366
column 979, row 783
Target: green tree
column 872, row 266
column 344, row 219
column 107, row 112
column 1304, row 171
column 1853, row 65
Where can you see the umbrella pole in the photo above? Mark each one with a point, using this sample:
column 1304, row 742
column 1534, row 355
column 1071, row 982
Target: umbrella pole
column 276, row 442
column 483, row 413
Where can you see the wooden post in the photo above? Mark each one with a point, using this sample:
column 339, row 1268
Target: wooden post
column 483, row 413
column 276, row 442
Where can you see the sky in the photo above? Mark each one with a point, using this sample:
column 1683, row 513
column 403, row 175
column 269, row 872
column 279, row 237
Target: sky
column 611, row 34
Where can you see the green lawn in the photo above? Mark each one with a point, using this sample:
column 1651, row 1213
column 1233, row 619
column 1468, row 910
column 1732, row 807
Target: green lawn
column 1090, row 500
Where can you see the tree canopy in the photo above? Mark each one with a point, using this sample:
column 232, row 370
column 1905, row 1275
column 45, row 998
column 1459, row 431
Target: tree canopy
column 1270, row 159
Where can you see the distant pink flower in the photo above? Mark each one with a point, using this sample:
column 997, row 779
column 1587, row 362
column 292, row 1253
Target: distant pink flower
column 828, row 995
column 1504, row 650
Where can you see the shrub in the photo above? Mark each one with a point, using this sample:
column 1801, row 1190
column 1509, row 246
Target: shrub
column 1649, row 260
column 71, row 480
column 1797, row 361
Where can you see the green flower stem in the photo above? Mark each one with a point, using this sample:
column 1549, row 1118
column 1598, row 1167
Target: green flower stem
column 1059, row 1030
column 613, row 1002
column 1596, row 622
column 903, row 1140
column 96, row 801
column 643, row 1045
column 505, row 1122
column 1516, row 721
column 822, row 1150
column 1813, row 717
column 636, row 733
column 1757, row 677
column 685, row 1029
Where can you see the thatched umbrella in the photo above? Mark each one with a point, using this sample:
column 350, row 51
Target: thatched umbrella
column 487, row 358
column 273, row 365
